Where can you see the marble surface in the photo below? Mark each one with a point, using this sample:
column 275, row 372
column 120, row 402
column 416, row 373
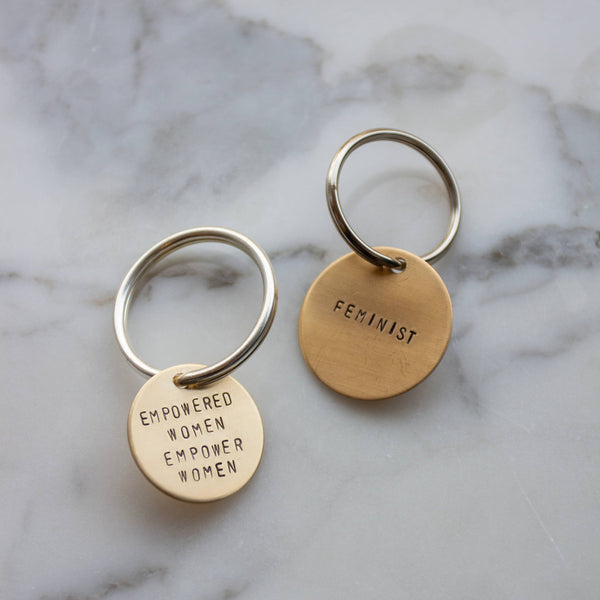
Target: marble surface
column 124, row 122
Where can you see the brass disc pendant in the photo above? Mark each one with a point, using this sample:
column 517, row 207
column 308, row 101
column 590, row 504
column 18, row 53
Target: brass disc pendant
column 196, row 445
column 370, row 333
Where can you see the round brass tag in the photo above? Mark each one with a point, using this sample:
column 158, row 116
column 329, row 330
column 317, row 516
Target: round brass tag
column 196, row 445
column 371, row 333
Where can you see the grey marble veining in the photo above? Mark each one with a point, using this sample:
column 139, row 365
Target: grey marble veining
column 124, row 123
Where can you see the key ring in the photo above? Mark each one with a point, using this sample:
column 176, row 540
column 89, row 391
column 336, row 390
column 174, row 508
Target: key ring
column 194, row 431
column 335, row 208
column 210, row 374
column 370, row 332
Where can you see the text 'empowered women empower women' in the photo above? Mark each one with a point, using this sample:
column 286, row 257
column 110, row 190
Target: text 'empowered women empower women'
column 195, row 444
column 196, row 439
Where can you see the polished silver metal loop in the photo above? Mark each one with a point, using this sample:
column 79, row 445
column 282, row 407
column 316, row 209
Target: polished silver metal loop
column 174, row 242
column 335, row 208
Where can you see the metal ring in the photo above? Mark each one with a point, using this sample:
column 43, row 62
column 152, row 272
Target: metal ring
column 335, row 208
column 174, row 242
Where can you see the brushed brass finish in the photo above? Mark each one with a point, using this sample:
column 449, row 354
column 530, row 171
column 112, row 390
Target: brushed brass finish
column 370, row 333
column 196, row 445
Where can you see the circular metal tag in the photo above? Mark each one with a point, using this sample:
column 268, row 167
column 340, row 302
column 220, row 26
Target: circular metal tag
column 196, row 445
column 371, row 333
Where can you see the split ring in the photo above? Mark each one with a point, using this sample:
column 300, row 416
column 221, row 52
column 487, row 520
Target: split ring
column 335, row 208
column 174, row 242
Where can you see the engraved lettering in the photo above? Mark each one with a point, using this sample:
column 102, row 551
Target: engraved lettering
column 361, row 314
column 207, row 471
column 175, row 411
column 149, row 417
column 205, row 442
column 382, row 323
column 221, row 447
column 210, row 426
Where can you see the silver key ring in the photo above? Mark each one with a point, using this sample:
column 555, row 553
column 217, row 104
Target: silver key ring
column 335, row 208
column 174, row 242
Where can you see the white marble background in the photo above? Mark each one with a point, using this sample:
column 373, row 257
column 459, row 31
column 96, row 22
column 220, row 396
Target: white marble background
column 123, row 122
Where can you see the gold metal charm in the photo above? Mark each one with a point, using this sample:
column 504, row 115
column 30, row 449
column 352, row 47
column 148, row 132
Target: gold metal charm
column 371, row 333
column 376, row 322
column 196, row 445
column 194, row 431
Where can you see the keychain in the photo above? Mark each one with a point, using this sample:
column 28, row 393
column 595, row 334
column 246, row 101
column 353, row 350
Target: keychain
column 194, row 431
column 377, row 321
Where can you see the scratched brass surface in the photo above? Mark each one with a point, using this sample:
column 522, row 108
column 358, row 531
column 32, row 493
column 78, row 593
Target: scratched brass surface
column 371, row 333
column 196, row 445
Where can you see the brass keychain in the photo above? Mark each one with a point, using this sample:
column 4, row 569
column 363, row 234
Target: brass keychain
column 377, row 321
column 194, row 431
